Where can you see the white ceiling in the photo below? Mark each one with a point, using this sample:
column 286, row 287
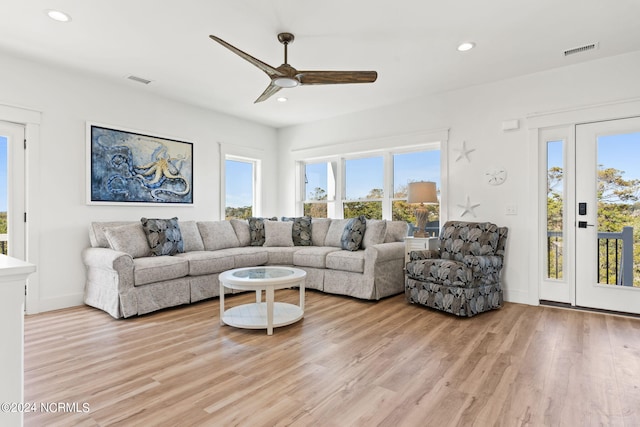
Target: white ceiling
column 411, row 43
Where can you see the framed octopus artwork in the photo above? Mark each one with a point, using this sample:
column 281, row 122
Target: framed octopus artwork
column 128, row 168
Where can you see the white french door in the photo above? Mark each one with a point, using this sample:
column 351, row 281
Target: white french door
column 607, row 211
column 12, row 193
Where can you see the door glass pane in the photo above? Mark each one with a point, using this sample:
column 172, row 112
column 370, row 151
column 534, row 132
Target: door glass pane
column 619, row 209
column 238, row 189
column 555, row 209
column 3, row 195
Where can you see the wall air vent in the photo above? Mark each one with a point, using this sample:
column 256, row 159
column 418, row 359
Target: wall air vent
column 139, row 80
column 581, row 49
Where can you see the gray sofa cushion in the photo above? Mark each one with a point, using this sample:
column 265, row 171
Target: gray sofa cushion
column 97, row 237
column 396, row 231
column 278, row 233
column 346, row 261
column 218, row 235
column 163, row 235
column 313, row 256
column 353, row 233
column 319, row 229
column 207, row 262
column 301, row 231
column 191, row 236
column 248, row 256
column 280, row 256
column 334, row 234
column 375, row 233
column 241, row 227
column 158, row 269
column 129, row 239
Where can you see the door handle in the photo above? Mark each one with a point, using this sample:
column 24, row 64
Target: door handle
column 583, row 224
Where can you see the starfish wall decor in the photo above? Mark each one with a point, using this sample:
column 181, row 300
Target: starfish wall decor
column 468, row 208
column 464, row 151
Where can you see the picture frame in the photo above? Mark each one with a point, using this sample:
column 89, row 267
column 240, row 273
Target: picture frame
column 128, row 167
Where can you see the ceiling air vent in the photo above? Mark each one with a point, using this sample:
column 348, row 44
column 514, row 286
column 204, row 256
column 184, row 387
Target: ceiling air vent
column 581, row 49
column 139, row 80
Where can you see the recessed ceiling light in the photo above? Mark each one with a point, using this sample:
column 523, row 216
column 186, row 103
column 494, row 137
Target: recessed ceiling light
column 463, row 47
column 282, row 99
column 56, row 15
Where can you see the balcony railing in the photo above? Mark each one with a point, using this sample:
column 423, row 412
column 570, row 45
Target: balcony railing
column 3, row 244
column 615, row 256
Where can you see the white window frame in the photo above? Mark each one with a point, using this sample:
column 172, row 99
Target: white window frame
column 388, row 175
column 256, row 183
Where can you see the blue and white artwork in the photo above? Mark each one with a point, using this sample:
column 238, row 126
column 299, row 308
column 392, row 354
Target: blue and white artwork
column 128, row 167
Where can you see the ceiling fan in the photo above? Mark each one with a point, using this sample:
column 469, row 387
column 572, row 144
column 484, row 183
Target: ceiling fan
column 285, row 76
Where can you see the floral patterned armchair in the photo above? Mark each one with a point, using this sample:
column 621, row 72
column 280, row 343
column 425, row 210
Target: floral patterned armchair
column 463, row 276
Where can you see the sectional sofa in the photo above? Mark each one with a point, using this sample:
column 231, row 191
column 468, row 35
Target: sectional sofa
column 125, row 278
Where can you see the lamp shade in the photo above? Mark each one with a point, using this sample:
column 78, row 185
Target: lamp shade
column 422, row 192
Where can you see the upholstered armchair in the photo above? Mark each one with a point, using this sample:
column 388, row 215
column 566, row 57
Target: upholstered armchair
column 463, row 276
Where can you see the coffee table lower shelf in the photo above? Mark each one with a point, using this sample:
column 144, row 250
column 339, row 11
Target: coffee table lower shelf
column 254, row 316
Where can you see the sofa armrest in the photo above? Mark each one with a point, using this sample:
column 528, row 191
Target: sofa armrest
column 385, row 251
column 423, row 254
column 118, row 263
column 483, row 265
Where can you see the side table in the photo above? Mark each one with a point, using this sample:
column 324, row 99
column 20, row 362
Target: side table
column 419, row 244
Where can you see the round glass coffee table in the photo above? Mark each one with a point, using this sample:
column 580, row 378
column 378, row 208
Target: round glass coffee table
column 262, row 315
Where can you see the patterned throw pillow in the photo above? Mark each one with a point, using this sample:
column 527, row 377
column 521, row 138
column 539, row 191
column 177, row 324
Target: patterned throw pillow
column 353, row 233
column 301, row 231
column 163, row 235
column 256, row 230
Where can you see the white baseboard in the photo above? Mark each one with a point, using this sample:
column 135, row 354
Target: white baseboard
column 518, row 296
column 66, row 301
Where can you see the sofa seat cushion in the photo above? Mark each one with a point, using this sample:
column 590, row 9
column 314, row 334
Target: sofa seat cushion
column 248, row 256
column 158, row 269
column 313, row 256
column 281, row 256
column 442, row 271
column 207, row 262
column 352, row 261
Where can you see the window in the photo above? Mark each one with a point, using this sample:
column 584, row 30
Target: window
column 374, row 185
column 555, row 204
column 364, row 187
column 240, row 188
column 412, row 167
column 319, row 189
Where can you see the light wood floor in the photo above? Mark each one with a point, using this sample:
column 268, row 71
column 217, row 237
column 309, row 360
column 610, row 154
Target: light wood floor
column 347, row 363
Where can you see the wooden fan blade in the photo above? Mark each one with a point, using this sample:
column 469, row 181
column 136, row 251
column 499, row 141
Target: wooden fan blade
column 336, row 77
column 270, row 90
column 271, row 71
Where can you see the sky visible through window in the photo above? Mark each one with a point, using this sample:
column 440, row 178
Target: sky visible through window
column 365, row 174
column 239, row 184
column 620, row 151
column 3, row 174
column 418, row 166
column 315, row 177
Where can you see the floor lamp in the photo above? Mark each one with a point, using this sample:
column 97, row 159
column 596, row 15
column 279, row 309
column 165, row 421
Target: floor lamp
column 422, row 192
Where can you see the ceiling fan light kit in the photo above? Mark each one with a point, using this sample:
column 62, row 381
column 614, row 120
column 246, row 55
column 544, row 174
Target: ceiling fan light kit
column 285, row 76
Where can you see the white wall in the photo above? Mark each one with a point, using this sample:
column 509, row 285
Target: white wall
column 67, row 100
column 475, row 115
